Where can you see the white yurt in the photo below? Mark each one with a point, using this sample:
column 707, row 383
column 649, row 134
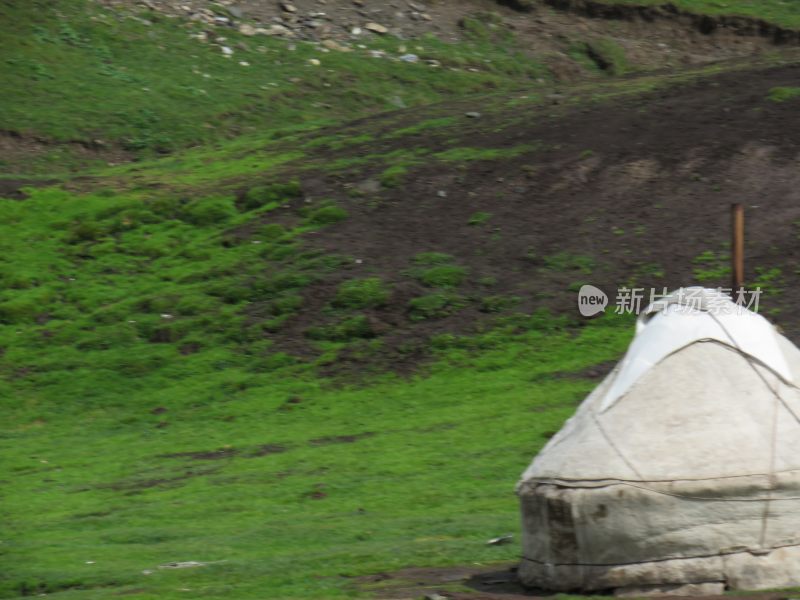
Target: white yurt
column 680, row 472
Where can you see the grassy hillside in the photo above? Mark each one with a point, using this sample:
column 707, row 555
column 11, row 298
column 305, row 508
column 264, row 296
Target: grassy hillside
column 78, row 73
column 304, row 334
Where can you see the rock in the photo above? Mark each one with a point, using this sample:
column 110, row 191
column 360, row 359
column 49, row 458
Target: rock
column 237, row 12
column 247, row 30
column 314, row 61
column 276, row 29
column 334, row 45
column 441, row 194
column 411, row 58
column 189, row 564
column 227, row 51
column 288, row 7
column 473, row 115
column 376, row 28
column 499, row 541
column 356, row 31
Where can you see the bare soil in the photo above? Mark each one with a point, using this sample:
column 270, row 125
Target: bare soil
column 641, row 185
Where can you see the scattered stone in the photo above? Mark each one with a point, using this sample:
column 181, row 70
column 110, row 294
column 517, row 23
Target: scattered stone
column 226, row 50
column 441, row 194
column 278, row 30
column 356, row 31
column 288, row 7
column 244, row 63
column 435, row 596
column 189, row 564
column 411, row 58
column 247, row 30
column 314, row 61
column 237, row 12
column 334, row 45
column 376, row 28
column 499, row 541
column 473, row 115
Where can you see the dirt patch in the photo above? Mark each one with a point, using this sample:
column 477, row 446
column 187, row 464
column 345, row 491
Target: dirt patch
column 629, row 190
column 204, row 455
column 340, row 439
column 12, row 189
column 266, row 450
column 488, row 582
column 136, row 486
column 596, row 372
column 22, row 153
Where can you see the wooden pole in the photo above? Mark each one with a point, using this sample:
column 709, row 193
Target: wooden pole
column 737, row 249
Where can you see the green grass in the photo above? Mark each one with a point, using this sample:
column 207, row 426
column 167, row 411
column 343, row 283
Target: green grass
column 566, row 262
column 286, row 502
column 362, row 293
column 435, row 306
column 470, row 154
column 134, row 328
column 712, row 267
column 782, row 94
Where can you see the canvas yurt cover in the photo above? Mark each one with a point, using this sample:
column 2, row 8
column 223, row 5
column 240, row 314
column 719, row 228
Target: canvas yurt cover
column 680, row 473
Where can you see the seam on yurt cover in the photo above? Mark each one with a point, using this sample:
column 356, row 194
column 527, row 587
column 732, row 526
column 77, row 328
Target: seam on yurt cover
column 753, row 551
column 614, row 480
column 748, row 357
column 612, row 444
column 773, row 442
column 687, row 497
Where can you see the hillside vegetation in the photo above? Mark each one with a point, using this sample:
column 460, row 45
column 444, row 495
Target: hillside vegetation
column 280, row 329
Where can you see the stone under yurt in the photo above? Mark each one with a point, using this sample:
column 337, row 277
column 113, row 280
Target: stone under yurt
column 680, row 472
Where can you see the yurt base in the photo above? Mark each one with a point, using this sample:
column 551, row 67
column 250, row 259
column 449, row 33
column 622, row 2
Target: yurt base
column 680, row 577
